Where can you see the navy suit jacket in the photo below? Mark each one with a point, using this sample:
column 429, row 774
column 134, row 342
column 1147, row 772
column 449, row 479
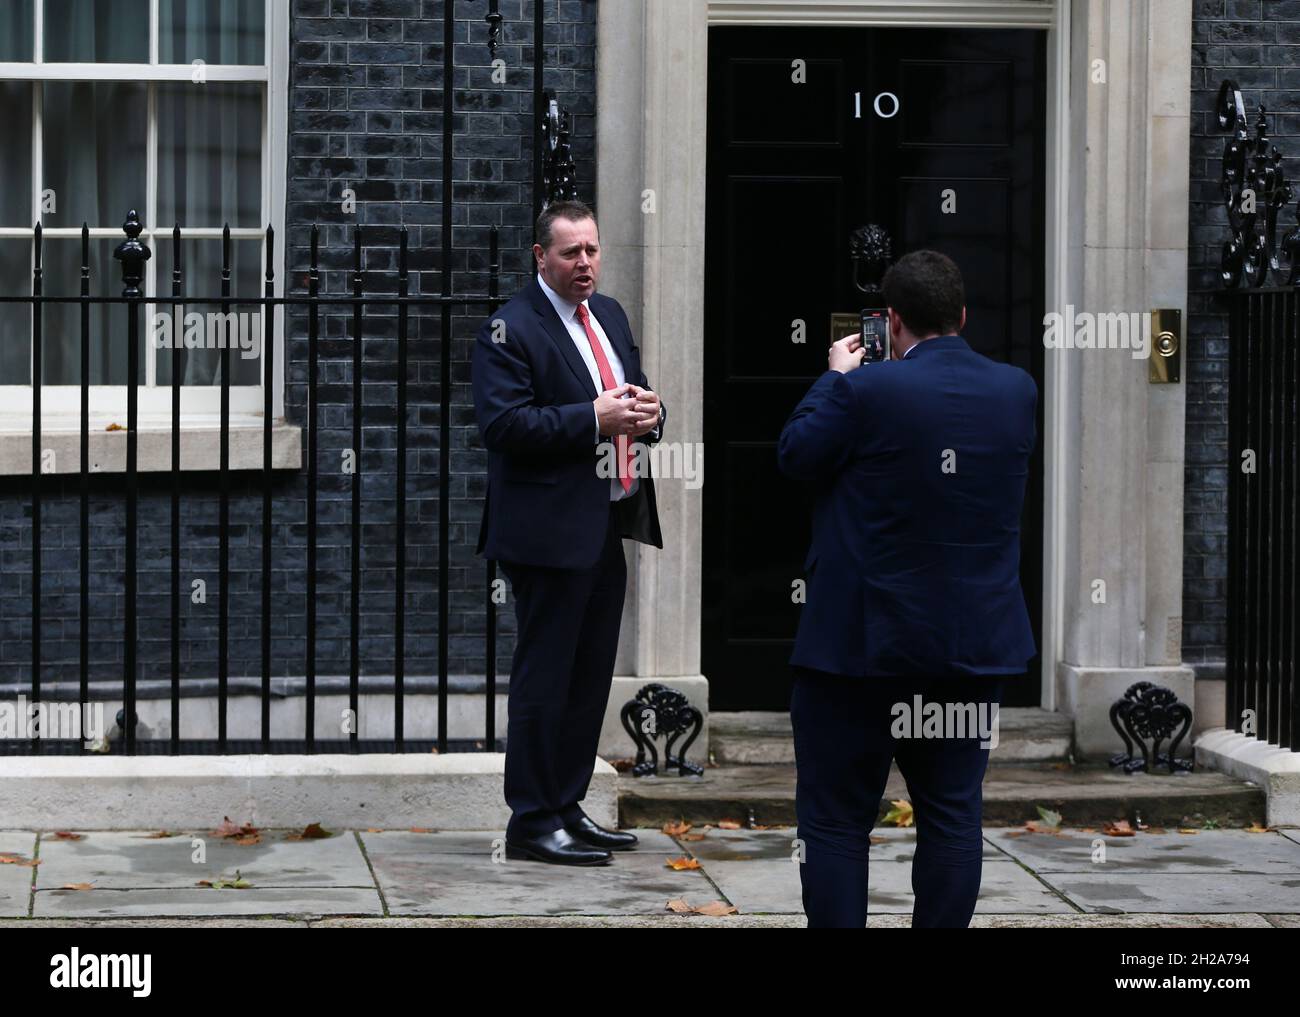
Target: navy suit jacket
column 547, row 503
column 918, row 471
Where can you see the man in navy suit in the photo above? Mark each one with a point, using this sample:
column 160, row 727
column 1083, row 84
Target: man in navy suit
column 918, row 467
column 562, row 403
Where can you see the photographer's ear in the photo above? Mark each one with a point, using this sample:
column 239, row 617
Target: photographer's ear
column 895, row 324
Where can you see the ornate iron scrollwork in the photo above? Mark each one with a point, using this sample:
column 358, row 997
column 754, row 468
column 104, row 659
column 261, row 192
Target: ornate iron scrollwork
column 494, row 19
column 1147, row 710
column 660, row 710
column 558, row 172
column 1255, row 190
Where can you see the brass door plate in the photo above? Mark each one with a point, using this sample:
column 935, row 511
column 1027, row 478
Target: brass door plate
column 844, row 323
column 1166, row 346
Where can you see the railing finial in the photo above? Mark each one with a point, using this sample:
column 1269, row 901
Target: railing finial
column 132, row 253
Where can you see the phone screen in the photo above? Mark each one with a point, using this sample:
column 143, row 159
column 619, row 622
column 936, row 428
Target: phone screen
column 875, row 336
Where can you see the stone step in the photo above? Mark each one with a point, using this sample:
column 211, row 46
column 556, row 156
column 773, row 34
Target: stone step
column 750, row 738
column 1085, row 795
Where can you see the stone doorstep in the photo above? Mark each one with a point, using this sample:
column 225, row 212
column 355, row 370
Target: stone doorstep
column 1085, row 795
column 1026, row 734
column 456, row 791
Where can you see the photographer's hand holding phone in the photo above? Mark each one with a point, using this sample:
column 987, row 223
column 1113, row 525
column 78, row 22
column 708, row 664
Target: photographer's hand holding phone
column 845, row 354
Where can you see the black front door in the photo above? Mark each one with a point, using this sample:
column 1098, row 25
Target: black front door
column 938, row 136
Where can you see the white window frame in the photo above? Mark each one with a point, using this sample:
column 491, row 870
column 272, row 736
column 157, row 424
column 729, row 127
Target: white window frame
column 61, row 404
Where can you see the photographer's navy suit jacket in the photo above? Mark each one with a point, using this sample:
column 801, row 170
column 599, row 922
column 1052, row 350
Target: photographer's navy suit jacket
column 918, row 469
column 547, row 503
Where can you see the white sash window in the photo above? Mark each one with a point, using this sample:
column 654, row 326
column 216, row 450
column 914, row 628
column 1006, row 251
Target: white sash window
column 175, row 108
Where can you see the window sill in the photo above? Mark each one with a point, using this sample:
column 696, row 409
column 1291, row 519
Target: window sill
column 200, row 444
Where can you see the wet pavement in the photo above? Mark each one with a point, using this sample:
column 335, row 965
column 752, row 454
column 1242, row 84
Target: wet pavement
column 1210, row 877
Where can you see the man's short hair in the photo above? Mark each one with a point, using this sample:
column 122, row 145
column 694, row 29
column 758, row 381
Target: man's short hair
column 925, row 289
column 574, row 211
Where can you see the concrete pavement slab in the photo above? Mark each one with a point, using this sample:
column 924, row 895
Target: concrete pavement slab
column 1177, row 893
column 16, row 880
column 115, row 860
column 203, row 902
column 1220, row 852
column 418, row 877
column 875, row 921
column 1005, row 887
column 756, row 871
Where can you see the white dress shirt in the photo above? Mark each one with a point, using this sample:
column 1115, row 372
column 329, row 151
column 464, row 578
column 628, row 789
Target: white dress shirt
column 568, row 313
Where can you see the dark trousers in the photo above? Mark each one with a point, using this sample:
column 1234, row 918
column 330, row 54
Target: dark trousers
column 843, row 749
column 568, row 622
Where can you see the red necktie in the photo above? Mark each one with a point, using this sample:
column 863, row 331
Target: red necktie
column 607, row 381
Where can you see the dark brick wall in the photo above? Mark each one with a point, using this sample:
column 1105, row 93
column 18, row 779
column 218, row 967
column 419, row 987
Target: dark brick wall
column 1257, row 43
column 365, row 112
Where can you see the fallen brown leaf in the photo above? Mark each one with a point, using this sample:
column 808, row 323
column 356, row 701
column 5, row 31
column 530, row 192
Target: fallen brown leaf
column 728, row 824
column 713, row 909
column 1256, row 828
column 115, row 427
column 76, row 886
column 1187, row 829
column 1120, row 828
column 158, row 835
column 66, row 835
column 16, row 860
column 676, row 829
column 228, row 828
column 421, row 829
column 691, row 836
column 312, row 831
column 680, row 864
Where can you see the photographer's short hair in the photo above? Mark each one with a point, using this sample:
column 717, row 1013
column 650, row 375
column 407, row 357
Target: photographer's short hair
column 925, row 289
column 574, row 211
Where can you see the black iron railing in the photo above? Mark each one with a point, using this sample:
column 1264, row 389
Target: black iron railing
column 1263, row 434
column 133, row 253
column 553, row 177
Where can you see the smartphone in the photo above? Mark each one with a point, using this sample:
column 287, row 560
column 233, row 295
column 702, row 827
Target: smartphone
column 876, row 339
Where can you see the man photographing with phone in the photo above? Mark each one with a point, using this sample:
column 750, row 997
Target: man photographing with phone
column 917, row 466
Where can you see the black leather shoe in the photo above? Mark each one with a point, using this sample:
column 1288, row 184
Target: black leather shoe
column 557, row 848
column 588, row 832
